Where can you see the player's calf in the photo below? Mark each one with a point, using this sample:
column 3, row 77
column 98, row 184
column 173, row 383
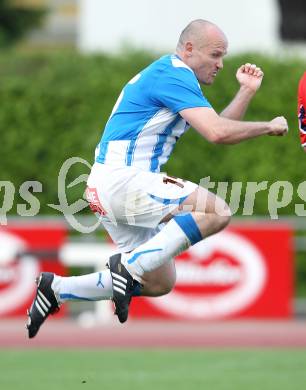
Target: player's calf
column 160, row 281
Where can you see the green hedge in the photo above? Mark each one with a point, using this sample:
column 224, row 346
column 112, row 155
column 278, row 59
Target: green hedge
column 54, row 107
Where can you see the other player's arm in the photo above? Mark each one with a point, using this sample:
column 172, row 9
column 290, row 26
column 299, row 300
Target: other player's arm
column 302, row 110
column 249, row 77
column 221, row 130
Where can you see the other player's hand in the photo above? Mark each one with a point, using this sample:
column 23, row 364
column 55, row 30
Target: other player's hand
column 250, row 76
column 278, row 126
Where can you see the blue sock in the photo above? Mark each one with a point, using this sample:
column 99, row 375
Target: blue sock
column 189, row 227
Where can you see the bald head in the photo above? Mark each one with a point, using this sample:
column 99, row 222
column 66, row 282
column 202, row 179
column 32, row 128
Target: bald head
column 202, row 46
column 199, row 32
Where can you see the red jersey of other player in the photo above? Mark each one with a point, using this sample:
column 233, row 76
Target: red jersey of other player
column 301, row 110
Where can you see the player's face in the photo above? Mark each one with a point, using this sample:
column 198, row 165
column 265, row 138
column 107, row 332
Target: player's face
column 208, row 60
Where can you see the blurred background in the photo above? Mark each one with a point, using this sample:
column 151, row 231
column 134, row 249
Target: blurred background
column 62, row 64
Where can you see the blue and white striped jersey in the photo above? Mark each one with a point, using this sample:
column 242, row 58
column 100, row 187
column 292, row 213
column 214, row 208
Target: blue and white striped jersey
column 145, row 122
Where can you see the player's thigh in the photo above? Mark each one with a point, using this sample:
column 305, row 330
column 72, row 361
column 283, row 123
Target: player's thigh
column 204, row 201
column 128, row 237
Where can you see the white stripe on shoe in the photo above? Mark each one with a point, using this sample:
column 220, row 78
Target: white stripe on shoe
column 117, row 283
column 119, row 290
column 40, row 309
column 119, row 277
column 44, row 298
column 41, row 304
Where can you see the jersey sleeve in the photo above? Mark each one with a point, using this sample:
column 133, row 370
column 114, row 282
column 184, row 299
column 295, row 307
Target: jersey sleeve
column 178, row 91
column 302, row 110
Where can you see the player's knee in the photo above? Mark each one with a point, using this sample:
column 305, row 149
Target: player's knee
column 223, row 213
column 226, row 216
column 220, row 219
column 223, row 220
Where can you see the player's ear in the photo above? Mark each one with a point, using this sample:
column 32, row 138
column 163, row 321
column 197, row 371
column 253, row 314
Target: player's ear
column 189, row 48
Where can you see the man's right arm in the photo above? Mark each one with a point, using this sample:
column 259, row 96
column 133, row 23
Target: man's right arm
column 221, row 130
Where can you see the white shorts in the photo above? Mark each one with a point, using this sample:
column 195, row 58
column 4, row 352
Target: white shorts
column 132, row 202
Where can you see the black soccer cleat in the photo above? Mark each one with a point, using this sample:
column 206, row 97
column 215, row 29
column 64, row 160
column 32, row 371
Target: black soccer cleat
column 45, row 303
column 123, row 287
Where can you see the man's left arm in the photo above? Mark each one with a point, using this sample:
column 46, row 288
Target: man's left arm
column 249, row 77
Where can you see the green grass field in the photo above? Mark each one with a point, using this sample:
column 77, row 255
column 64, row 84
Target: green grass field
column 153, row 369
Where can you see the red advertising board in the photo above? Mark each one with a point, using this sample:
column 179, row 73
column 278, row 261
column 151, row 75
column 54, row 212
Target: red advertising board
column 27, row 250
column 243, row 272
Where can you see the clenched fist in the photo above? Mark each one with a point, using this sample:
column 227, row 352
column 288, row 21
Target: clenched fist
column 250, row 76
column 278, row 126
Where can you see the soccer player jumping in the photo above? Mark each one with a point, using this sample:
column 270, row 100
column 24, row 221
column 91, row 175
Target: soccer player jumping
column 150, row 216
